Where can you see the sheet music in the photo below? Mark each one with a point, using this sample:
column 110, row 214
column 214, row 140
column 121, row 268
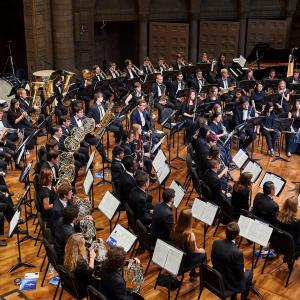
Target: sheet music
column 108, row 205
column 156, row 146
column 255, row 230
column 254, row 168
column 21, row 154
column 88, row 165
column 278, row 182
column 240, row 158
column 121, row 237
column 179, row 193
column 204, row 211
column 163, row 172
column 88, row 181
column 13, row 223
column 167, row 257
column 158, row 160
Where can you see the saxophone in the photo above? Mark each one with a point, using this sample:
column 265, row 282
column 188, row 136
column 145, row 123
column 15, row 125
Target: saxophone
column 107, row 118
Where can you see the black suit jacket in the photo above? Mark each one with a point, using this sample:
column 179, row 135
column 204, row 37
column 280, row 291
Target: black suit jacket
column 220, row 82
column 195, row 84
column 62, row 233
column 46, row 165
column 95, row 113
column 127, row 183
column 174, row 88
column 26, row 106
column 155, row 88
column 265, row 208
column 116, row 170
column 215, row 183
column 162, row 221
column 289, row 80
column 136, row 119
column 138, row 203
column 238, row 115
column 229, row 261
column 112, row 285
column 58, row 92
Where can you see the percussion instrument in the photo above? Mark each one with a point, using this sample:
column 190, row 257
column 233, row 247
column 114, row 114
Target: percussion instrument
column 6, row 85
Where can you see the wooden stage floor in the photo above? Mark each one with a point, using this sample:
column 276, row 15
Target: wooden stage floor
column 270, row 284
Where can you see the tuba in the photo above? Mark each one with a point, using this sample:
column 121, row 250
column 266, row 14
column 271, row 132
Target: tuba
column 36, row 100
column 48, row 93
column 66, row 101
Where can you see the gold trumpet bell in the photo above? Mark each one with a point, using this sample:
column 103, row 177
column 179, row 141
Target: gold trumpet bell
column 87, row 74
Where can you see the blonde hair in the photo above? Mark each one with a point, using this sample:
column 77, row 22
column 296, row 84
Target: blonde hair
column 182, row 231
column 135, row 128
column 288, row 211
column 74, row 250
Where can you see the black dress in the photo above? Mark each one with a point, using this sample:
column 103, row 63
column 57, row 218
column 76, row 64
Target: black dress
column 239, row 201
column 46, row 192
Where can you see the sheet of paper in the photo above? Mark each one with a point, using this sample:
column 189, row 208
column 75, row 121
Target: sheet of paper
column 173, row 261
column 108, row 205
column 244, row 224
column 163, row 172
column 159, row 159
column 88, row 165
column 254, row 168
column 179, row 193
column 240, row 158
column 121, row 237
column 209, row 213
column 278, row 182
column 160, row 253
column 13, row 223
column 260, row 233
column 88, row 181
column 198, row 208
column 156, row 146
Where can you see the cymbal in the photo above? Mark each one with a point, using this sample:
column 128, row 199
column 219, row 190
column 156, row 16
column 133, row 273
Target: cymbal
column 43, row 73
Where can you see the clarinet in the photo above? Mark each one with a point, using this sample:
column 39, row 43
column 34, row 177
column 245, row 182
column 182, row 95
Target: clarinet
column 151, row 127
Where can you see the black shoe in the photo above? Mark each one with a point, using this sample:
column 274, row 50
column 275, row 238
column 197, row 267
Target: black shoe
column 106, row 160
column 3, row 243
column 22, row 231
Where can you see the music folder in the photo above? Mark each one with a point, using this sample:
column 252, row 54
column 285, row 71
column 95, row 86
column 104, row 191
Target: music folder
column 88, row 182
column 88, row 165
column 204, row 211
column 182, row 93
column 255, row 230
column 13, row 223
column 278, row 181
column 179, row 192
column 108, row 205
column 254, row 168
column 156, row 146
column 121, row 237
column 240, row 158
column 167, row 257
column 161, row 166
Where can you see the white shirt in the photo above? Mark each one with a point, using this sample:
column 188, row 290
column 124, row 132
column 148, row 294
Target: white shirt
column 225, row 83
column 245, row 114
column 131, row 174
column 130, row 73
column 1, row 124
column 117, row 159
column 113, row 74
column 64, row 203
column 101, row 111
column 53, row 170
column 159, row 90
column 79, row 122
column 56, row 138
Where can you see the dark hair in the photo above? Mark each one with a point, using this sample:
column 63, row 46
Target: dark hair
column 64, row 189
column 128, row 163
column 63, row 119
column 215, row 115
column 232, row 230
column 221, row 54
column 142, row 179
column 198, row 70
column 243, row 100
column 214, row 152
column 243, row 182
column 117, row 150
column 52, row 154
column 12, row 103
column 55, row 129
column 213, row 163
column 268, row 187
column 294, row 109
column 115, row 259
column 77, row 109
column 70, row 213
column 126, row 135
column 168, row 194
column 95, row 67
column 179, row 73
column 268, row 106
column 50, row 145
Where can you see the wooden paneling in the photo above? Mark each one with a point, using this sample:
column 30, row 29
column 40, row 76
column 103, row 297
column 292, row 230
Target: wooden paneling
column 168, row 39
column 272, row 32
column 219, row 36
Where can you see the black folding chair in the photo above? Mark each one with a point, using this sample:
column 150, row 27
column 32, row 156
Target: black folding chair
column 94, row 294
column 283, row 243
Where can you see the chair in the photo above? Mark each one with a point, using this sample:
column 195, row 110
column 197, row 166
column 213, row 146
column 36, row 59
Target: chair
column 130, row 218
column 212, row 279
column 145, row 241
column 94, row 294
column 68, row 283
column 189, row 165
column 283, row 243
column 196, row 184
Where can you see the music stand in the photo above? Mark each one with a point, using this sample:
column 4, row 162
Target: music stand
column 179, row 195
column 247, row 84
column 182, row 93
column 88, row 187
column 294, row 87
column 169, row 75
column 271, row 83
column 282, row 126
column 176, row 129
column 205, row 67
column 188, row 71
column 256, row 121
column 13, row 225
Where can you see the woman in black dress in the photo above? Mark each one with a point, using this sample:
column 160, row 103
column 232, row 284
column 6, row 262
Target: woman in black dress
column 293, row 144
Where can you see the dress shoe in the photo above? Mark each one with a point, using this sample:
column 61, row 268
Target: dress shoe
column 22, row 231
column 3, row 243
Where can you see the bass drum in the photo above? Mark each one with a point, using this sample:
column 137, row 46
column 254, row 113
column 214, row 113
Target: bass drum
column 6, row 85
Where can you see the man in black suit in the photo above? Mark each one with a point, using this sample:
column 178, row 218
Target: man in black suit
column 64, row 199
column 140, row 115
column 97, row 112
column 117, row 167
column 64, row 229
column 229, row 261
column 52, row 163
column 225, row 81
column 60, row 109
column 264, row 206
column 126, row 144
column 176, row 86
column 76, row 121
column 241, row 115
column 295, row 79
column 215, row 180
column 163, row 219
column 127, row 181
column 198, row 82
column 139, row 201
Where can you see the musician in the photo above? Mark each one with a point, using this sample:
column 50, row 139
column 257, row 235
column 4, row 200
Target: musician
column 147, row 67
column 249, row 75
column 272, row 75
column 264, row 206
column 112, row 70
column 204, row 58
column 161, row 65
column 241, row 114
column 25, row 101
column 52, row 164
column 126, row 143
column 213, row 96
column 60, row 109
column 221, row 64
column 98, row 74
column 198, row 82
column 267, row 130
column 295, row 79
column 134, row 97
column 76, row 121
column 141, row 116
column 179, row 62
column 162, row 218
column 293, row 144
column 257, row 97
column 131, row 71
column 20, row 120
column 238, row 94
column 97, row 112
column 216, row 180
column 63, row 200
column 140, row 202
column 282, row 104
column 176, row 86
column 225, row 81
column 228, row 259
column 117, row 167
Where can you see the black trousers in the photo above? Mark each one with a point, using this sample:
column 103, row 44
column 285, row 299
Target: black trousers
column 247, row 137
column 90, row 139
column 271, row 137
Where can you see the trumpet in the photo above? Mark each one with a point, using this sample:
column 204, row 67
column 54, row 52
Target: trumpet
column 140, row 72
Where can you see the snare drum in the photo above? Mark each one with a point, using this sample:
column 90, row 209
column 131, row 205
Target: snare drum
column 6, row 85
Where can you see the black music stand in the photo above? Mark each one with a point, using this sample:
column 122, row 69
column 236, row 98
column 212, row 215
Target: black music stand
column 282, row 126
column 13, row 225
column 271, row 83
column 169, row 75
column 247, row 84
column 182, row 93
column 205, row 67
column 256, row 121
column 173, row 130
column 294, row 87
column 188, row 71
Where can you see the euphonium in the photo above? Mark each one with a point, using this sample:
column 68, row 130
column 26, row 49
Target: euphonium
column 36, row 101
column 66, row 101
column 48, row 92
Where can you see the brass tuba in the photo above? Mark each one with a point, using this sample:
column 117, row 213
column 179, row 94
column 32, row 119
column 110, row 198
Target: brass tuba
column 49, row 92
column 36, row 100
column 66, row 101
